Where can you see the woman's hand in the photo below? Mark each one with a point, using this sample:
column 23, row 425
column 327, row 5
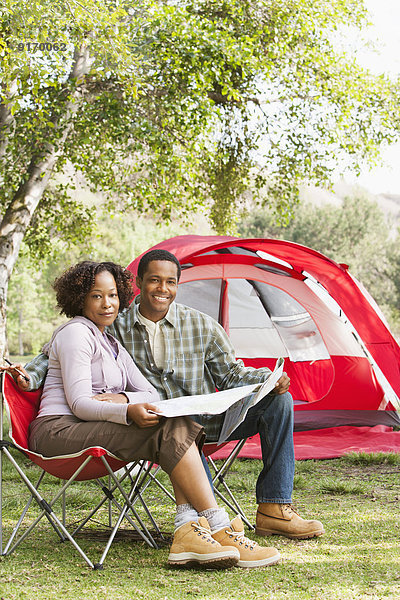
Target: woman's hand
column 18, row 373
column 138, row 413
column 143, row 414
column 114, row 398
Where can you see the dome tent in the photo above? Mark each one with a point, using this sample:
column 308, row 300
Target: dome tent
column 276, row 298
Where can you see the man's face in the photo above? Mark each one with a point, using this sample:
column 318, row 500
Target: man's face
column 158, row 289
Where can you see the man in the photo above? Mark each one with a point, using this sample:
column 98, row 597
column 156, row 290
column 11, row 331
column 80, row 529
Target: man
column 183, row 352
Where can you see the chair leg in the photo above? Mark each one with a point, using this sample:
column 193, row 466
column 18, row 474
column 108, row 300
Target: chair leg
column 219, row 479
column 128, row 500
column 20, row 520
column 153, row 479
column 109, row 497
column 47, row 510
column 144, row 532
column 140, row 488
column 137, row 485
column 22, row 516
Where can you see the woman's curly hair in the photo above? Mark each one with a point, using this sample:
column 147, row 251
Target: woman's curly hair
column 76, row 282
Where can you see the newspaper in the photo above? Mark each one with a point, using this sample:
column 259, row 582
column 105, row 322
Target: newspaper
column 236, row 413
column 235, row 402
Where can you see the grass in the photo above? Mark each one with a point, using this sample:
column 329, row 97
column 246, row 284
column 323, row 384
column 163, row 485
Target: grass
column 357, row 498
column 377, row 458
column 22, row 359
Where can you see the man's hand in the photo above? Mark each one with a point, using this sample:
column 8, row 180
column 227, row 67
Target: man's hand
column 139, row 414
column 113, row 398
column 282, row 385
column 18, row 373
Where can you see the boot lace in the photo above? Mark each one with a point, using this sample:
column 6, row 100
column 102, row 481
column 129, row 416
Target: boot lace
column 203, row 532
column 239, row 537
column 290, row 509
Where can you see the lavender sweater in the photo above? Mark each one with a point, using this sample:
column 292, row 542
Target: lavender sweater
column 81, row 364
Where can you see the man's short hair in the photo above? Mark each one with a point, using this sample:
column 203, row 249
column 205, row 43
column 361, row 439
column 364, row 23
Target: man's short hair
column 157, row 254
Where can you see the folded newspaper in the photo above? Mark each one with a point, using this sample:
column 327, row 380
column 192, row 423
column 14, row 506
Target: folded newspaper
column 236, row 402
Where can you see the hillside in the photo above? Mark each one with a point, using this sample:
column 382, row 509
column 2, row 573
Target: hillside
column 388, row 203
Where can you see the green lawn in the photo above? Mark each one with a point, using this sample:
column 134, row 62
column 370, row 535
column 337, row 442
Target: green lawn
column 356, row 497
column 16, row 358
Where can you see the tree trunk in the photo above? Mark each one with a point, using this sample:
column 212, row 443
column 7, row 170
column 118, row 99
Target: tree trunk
column 20, row 337
column 19, row 213
column 6, row 121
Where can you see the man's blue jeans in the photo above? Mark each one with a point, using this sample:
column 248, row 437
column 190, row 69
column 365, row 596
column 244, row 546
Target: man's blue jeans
column 273, row 419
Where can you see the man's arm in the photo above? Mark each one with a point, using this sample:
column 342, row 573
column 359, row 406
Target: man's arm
column 37, row 371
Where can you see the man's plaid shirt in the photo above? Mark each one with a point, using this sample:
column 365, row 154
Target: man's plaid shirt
column 199, row 358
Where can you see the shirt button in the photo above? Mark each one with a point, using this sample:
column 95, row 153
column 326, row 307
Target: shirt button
column 165, row 378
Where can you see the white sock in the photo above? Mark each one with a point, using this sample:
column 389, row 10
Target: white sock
column 185, row 513
column 217, row 518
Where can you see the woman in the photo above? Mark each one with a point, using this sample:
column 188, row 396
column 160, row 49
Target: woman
column 95, row 395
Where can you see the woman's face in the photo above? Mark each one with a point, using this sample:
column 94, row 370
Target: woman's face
column 102, row 303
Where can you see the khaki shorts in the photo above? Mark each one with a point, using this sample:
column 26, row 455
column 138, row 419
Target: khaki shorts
column 165, row 443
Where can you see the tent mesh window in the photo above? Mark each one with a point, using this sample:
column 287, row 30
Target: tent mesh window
column 202, row 295
column 264, row 321
column 275, row 319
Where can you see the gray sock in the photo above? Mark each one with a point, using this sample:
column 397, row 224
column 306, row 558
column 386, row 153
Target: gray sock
column 185, row 513
column 217, row 518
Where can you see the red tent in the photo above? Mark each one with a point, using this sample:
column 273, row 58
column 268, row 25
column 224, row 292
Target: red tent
column 277, row 298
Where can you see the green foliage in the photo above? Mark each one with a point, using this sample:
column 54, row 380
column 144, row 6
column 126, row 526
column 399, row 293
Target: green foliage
column 333, row 486
column 354, row 233
column 187, row 104
column 31, row 306
column 58, row 222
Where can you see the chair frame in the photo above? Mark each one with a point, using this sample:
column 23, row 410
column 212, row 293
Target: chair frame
column 218, row 478
column 137, row 475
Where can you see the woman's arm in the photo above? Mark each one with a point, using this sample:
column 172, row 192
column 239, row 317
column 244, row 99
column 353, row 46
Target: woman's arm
column 143, row 414
column 75, row 349
column 139, row 394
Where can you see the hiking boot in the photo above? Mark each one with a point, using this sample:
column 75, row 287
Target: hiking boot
column 193, row 545
column 251, row 554
column 282, row 519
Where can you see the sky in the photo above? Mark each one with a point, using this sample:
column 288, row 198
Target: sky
column 385, row 15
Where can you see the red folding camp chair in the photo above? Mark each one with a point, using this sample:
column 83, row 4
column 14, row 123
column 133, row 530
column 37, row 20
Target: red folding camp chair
column 123, row 491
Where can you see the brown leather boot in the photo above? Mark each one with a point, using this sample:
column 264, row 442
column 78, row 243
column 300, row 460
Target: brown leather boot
column 282, row 519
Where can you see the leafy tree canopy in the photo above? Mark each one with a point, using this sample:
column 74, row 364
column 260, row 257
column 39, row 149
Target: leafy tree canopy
column 180, row 102
column 171, row 105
